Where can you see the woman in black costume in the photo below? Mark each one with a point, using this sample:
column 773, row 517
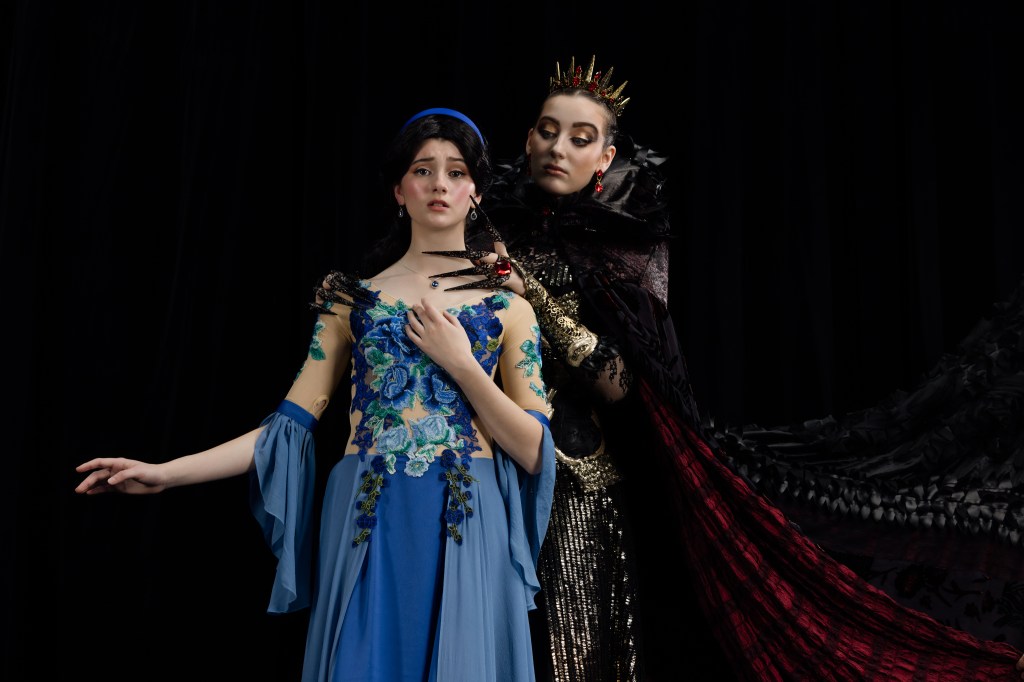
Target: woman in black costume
column 591, row 257
column 611, row 608
column 596, row 619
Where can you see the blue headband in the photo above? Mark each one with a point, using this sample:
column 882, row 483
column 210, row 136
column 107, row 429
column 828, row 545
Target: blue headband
column 446, row 112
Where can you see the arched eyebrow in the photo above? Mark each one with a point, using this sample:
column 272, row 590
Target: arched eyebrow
column 576, row 124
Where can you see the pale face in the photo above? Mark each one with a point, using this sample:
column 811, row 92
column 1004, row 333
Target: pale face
column 436, row 189
column 566, row 146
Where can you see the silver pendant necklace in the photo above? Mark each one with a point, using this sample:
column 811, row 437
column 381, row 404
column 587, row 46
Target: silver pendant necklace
column 433, row 281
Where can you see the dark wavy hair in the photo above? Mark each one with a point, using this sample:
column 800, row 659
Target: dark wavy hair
column 403, row 149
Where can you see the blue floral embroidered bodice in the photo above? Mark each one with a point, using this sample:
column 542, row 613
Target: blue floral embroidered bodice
column 411, row 409
column 408, row 404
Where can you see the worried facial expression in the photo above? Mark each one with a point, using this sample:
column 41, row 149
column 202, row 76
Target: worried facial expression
column 566, row 146
column 437, row 187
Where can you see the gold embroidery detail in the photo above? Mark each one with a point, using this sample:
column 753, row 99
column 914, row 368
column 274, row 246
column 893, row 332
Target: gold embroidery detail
column 570, row 338
column 594, row 472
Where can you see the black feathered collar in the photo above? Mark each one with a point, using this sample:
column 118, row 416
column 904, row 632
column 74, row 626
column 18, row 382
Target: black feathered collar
column 633, row 200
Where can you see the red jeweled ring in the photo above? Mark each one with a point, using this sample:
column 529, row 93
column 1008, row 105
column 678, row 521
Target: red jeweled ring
column 502, row 267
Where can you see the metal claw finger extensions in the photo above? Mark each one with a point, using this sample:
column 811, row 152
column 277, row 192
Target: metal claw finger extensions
column 494, row 282
column 338, row 287
column 498, row 273
column 482, row 269
column 471, row 255
column 488, row 225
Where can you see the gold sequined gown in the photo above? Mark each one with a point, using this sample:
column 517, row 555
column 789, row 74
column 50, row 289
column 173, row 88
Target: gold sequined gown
column 586, row 564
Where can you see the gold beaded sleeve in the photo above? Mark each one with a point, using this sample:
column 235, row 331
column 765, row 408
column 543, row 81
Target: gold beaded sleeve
column 598, row 358
column 569, row 337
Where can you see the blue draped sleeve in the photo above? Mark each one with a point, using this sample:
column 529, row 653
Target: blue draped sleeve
column 528, row 499
column 281, row 498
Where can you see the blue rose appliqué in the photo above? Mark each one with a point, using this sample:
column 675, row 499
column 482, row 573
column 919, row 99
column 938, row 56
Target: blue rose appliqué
column 389, row 335
column 438, row 394
column 432, row 430
column 397, row 387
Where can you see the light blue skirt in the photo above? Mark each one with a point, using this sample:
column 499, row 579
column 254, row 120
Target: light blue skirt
column 396, row 607
column 411, row 603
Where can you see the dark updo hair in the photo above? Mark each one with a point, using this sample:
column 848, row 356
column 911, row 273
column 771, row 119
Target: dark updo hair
column 411, row 138
column 399, row 155
column 611, row 126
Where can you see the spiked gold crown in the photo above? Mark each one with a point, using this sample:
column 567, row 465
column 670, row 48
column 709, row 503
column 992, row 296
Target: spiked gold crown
column 599, row 85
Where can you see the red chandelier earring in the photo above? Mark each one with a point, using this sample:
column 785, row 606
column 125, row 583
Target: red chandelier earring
column 598, row 187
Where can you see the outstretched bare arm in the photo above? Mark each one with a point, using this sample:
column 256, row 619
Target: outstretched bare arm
column 117, row 474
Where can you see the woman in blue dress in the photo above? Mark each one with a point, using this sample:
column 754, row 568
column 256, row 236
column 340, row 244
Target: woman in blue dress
column 432, row 520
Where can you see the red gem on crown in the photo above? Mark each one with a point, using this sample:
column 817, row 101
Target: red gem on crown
column 595, row 83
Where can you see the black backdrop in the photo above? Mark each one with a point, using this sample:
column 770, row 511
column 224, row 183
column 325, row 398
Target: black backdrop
column 174, row 176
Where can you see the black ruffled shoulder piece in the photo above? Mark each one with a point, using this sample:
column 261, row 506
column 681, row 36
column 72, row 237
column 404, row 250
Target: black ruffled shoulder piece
column 633, row 201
